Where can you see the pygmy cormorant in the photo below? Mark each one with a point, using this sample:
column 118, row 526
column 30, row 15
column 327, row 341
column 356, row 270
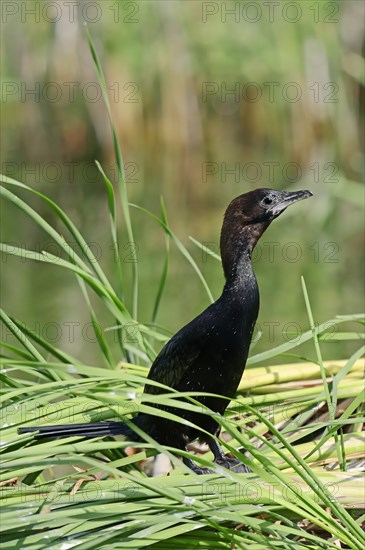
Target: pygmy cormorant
column 208, row 354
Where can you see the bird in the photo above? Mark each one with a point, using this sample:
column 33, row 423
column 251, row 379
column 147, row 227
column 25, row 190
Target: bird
column 208, row 354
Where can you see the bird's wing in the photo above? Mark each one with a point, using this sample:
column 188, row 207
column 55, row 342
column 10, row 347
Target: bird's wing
column 173, row 361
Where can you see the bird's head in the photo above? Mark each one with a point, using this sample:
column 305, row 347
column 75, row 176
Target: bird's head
column 263, row 205
column 248, row 216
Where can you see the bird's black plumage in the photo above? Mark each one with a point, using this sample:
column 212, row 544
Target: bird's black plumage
column 209, row 353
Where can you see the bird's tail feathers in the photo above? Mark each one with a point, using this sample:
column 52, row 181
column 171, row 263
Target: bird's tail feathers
column 92, row 429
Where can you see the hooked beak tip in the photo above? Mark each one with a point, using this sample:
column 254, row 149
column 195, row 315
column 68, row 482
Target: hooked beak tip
column 295, row 196
column 291, row 198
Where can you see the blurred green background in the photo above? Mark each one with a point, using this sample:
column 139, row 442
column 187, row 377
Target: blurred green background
column 210, row 100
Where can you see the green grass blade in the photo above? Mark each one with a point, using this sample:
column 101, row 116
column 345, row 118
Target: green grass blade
column 58, row 238
column 121, row 174
column 330, row 401
column 113, row 228
column 20, row 335
column 179, row 246
column 165, row 267
column 305, row 337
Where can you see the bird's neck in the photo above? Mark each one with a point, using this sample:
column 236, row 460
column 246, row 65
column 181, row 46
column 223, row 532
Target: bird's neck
column 240, row 274
column 237, row 245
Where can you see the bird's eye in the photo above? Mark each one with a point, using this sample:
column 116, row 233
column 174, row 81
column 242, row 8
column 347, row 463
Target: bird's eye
column 267, row 200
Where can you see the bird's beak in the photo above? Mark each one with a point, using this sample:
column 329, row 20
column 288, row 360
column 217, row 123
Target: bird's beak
column 288, row 198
